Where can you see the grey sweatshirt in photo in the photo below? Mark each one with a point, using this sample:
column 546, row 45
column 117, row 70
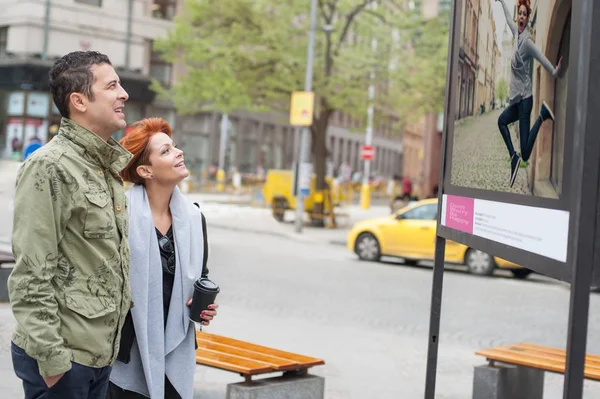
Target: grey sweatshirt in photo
column 523, row 54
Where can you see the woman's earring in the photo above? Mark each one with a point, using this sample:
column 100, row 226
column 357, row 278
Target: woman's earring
column 152, row 176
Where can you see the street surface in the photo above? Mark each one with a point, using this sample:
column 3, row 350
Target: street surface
column 368, row 321
column 479, row 156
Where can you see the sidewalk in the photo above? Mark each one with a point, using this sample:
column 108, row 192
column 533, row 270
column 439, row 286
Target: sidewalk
column 261, row 221
column 479, row 156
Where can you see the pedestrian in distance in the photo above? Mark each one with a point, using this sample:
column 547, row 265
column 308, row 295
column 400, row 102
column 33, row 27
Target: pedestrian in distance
column 69, row 290
column 167, row 236
column 521, row 96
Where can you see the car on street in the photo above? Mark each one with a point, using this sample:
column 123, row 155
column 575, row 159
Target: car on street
column 410, row 234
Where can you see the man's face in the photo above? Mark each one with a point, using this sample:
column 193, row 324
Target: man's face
column 105, row 113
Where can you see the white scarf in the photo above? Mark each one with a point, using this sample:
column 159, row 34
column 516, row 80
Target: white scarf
column 158, row 350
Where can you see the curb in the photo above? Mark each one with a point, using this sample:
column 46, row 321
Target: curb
column 290, row 236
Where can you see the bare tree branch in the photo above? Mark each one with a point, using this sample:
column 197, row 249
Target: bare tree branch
column 349, row 19
column 326, row 16
column 377, row 15
column 332, row 5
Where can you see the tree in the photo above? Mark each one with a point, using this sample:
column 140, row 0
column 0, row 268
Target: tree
column 502, row 90
column 251, row 54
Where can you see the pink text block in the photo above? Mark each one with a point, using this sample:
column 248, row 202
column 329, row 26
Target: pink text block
column 460, row 213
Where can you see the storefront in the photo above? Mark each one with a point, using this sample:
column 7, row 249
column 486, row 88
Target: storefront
column 28, row 115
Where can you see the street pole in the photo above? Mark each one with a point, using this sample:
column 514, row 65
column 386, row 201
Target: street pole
column 128, row 39
column 365, row 191
column 222, row 150
column 46, row 30
column 305, row 135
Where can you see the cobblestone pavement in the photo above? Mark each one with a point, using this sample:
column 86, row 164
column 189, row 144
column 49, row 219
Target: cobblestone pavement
column 369, row 321
column 479, row 156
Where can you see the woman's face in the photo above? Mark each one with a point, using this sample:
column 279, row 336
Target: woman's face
column 166, row 160
column 522, row 18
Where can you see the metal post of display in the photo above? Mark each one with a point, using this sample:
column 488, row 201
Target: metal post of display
column 585, row 175
column 440, row 242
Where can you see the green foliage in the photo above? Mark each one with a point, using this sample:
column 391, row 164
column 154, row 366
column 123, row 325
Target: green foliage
column 251, row 54
column 502, row 90
column 420, row 81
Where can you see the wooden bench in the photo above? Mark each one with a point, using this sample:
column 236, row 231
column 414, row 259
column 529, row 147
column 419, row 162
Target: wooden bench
column 532, row 360
column 250, row 360
column 6, row 257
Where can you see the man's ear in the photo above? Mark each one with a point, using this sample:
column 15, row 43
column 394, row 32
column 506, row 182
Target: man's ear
column 144, row 171
column 78, row 102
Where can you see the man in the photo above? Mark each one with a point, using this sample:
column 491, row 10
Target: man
column 69, row 290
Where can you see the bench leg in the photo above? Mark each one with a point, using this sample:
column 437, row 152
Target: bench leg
column 289, row 386
column 507, row 382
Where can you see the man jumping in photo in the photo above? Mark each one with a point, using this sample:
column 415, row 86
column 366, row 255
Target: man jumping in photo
column 521, row 97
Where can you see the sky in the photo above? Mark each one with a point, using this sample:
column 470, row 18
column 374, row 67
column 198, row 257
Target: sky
column 498, row 14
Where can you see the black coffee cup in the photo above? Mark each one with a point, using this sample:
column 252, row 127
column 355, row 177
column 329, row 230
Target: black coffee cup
column 205, row 293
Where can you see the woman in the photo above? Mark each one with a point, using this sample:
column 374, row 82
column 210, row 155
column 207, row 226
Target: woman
column 157, row 354
column 521, row 98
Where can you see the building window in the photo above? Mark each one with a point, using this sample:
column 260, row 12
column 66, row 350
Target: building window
column 164, row 9
column 3, row 41
column 159, row 69
column 97, row 3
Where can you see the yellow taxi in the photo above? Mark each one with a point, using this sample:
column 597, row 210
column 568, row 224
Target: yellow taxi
column 410, row 234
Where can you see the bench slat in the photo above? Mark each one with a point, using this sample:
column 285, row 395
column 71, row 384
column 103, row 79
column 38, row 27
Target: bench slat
column 591, row 361
column 276, row 362
column 232, row 363
column 561, row 352
column 539, row 357
column 545, row 353
column 305, row 361
column 6, row 258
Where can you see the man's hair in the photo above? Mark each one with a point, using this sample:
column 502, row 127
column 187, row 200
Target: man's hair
column 72, row 74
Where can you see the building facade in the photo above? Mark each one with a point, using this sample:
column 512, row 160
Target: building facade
column 506, row 51
column 551, row 25
column 468, row 59
column 30, row 43
column 125, row 30
column 487, row 51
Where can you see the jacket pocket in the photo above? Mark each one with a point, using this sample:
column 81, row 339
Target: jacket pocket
column 88, row 305
column 99, row 218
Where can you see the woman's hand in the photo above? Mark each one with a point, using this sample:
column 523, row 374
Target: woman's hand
column 206, row 315
column 209, row 314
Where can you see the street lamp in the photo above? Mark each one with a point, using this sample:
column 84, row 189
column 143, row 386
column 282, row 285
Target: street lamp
column 46, row 30
column 222, row 150
column 305, row 136
column 365, row 191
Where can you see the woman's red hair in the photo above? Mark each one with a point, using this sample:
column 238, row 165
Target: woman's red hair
column 527, row 4
column 136, row 142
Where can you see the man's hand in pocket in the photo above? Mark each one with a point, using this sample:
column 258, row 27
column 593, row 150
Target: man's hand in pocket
column 51, row 381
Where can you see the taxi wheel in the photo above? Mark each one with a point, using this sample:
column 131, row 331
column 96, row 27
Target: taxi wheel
column 367, row 247
column 479, row 262
column 520, row 273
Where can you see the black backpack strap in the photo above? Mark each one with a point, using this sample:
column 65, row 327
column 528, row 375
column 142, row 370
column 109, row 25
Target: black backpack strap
column 204, row 233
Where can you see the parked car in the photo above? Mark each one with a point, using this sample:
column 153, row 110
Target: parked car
column 410, row 234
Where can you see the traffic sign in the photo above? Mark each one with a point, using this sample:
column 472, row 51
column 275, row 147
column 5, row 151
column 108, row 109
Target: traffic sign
column 301, row 109
column 367, row 152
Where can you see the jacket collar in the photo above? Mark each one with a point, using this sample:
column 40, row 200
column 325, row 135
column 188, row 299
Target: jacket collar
column 106, row 154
